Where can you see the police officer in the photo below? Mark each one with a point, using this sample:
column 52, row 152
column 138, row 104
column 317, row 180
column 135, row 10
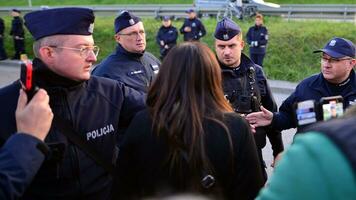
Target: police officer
column 337, row 77
column 192, row 29
column 23, row 153
column 90, row 109
column 3, row 54
column 17, row 33
column 129, row 63
column 244, row 83
column 167, row 36
column 257, row 38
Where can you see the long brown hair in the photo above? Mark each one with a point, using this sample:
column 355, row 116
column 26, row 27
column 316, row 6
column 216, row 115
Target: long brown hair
column 187, row 91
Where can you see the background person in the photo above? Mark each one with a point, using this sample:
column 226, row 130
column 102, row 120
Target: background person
column 130, row 63
column 3, row 54
column 245, row 86
column 166, row 36
column 337, row 77
column 23, row 153
column 187, row 135
column 257, row 38
column 18, row 33
column 91, row 108
column 192, row 29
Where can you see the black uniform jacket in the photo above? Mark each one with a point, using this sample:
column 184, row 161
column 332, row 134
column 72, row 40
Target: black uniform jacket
column 95, row 109
column 233, row 82
column 260, row 35
column 143, row 170
column 168, row 35
column 17, row 27
column 134, row 70
column 197, row 29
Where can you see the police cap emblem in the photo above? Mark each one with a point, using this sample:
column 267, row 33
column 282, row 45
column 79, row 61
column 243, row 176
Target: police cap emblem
column 132, row 22
column 226, row 36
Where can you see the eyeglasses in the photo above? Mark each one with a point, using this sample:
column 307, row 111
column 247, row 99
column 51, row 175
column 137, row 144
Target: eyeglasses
column 333, row 60
column 84, row 51
column 132, row 34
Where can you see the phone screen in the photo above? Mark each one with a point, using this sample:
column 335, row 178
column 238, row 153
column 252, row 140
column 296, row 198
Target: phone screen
column 306, row 113
column 332, row 109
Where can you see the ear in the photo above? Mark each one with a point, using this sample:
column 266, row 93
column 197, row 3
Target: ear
column 117, row 38
column 242, row 44
column 46, row 54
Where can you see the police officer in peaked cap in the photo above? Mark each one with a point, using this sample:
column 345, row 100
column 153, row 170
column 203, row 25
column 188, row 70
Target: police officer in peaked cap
column 244, row 83
column 337, row 78
column 130, row 63
column 89, row 108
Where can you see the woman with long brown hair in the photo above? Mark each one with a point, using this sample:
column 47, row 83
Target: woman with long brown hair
column 188, row 139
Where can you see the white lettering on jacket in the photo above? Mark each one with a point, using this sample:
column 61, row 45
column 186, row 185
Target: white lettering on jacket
column 91, row 135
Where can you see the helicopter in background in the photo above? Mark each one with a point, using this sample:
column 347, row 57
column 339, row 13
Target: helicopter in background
column 237, row 8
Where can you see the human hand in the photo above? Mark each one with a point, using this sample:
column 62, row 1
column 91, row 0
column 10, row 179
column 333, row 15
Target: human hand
column 161, row 43
column 187, row 29
column 34, row 118
column 262, row 118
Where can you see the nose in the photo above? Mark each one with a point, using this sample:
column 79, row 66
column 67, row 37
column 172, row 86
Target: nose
column 91, row 57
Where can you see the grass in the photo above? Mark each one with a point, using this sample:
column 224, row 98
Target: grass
column 102, row 2
column 289, row 54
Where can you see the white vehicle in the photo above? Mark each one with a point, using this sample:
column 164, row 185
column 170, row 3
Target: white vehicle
column 237, row 8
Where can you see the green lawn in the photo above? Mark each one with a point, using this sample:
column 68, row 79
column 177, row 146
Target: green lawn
column 98, row 2
column 289, row 54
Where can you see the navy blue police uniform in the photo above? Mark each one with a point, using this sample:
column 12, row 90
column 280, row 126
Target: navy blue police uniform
column 95, row 109
column 316, row 87
column 169, row 37
column 135, row 70
column 246, row 88
column 18, row 33
column 257, row 38
column 20, row 159
column 197, row 28
column 3, row 54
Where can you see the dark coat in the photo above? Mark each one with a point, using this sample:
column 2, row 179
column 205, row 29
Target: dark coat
column 197, row 29
column 134, row 70
column 20, row 159
column 313, row 88
column 142, row 168
column 17, row 27
column 169, row 36
column 259, row 34
column 236, row 83
column 95, row 108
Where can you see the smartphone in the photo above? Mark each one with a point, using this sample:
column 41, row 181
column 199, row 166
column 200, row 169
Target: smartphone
column 27, row 79
column 332, row 107
column 306, row 112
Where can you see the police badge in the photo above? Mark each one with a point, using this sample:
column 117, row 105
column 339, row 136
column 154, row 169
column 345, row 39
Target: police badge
column 132, row 22
column 226, row 36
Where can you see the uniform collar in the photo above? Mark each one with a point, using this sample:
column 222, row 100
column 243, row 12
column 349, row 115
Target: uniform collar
column 46, row 78
column 320, row 81
column 123, row 51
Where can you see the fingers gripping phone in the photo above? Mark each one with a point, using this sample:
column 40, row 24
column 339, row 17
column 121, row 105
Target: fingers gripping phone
column 27, row 79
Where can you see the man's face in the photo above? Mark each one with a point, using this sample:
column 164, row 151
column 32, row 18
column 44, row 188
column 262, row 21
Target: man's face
column 336, row 70
column 229, row 52
column 166, row 23
column 132, row 38
column 15, row 14
column 192, row 15
column 70, row 63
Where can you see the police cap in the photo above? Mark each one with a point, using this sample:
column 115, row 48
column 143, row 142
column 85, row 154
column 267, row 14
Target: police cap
column 60, row 21
column 226, row 29
column 338, row 48
column 16, row 10
column 124, row 20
